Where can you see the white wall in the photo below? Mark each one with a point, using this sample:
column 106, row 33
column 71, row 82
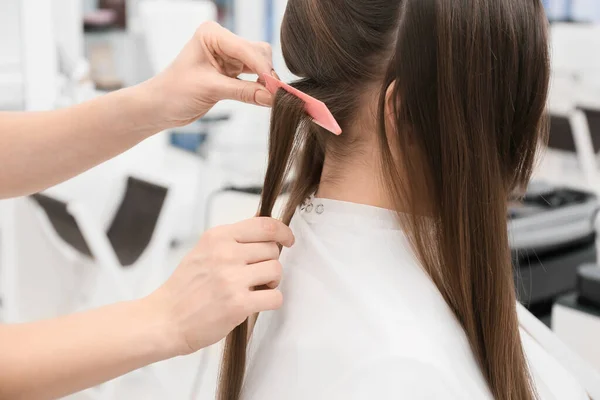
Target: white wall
column 586, row 10
column 9, row 34
column 68, row 28
column 89, row 5
column 39, row 52
column 250, row 19
column 278, row 61
column 581, row 9
column 11, row 82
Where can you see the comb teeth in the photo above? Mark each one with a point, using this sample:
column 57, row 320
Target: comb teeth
column 317, row 110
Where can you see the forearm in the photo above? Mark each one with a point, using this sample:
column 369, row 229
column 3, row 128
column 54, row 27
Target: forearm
column 41, row 149
column 50, row 359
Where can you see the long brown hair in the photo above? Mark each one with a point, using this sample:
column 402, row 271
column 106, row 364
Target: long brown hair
column 467, row 82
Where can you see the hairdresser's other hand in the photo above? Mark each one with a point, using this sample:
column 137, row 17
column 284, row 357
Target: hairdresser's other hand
column 212, row 291
column 206, row 71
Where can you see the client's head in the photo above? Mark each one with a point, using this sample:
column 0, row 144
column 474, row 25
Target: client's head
column 446, row 99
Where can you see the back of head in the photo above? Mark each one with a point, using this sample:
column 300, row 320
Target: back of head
column 463, row 87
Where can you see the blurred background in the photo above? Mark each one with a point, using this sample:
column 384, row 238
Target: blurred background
column 117, row 231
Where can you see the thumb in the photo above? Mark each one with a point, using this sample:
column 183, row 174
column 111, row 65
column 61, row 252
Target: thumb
column 246, row 92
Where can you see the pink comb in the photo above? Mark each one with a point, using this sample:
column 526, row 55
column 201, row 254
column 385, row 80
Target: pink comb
column 315, row 108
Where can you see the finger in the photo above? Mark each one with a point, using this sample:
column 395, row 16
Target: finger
column 233, row 68
column 262, row 80
column 254, row 57
column 249, row 71
column 262, row 229
column 264, row 48
column 265, row 300
column 244, row 91
column 259, row 252
column 266, row 273
column 272, row 285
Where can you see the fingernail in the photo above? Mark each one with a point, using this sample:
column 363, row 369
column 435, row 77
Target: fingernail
column 274, row 74
column 264, row 98
column 292, row 241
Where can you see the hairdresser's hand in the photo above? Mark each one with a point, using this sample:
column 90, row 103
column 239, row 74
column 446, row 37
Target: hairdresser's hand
column 205, row 72
column 212, row 291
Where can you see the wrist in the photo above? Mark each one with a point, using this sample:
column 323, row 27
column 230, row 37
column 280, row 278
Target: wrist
column 159, row 336
column 147, row 107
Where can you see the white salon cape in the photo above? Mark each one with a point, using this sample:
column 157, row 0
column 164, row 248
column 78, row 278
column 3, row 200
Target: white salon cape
column 362, row 321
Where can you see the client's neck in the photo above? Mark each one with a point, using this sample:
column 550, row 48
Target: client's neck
column 355, row 181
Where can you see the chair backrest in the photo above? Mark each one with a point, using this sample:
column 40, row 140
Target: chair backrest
column 40, row 273
column 63, row 222
column 135, row 221
column 169, row 24
column 562, row 130
column 561, row 133
column 131, row 229
column 592, row 116
column 99, row 189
